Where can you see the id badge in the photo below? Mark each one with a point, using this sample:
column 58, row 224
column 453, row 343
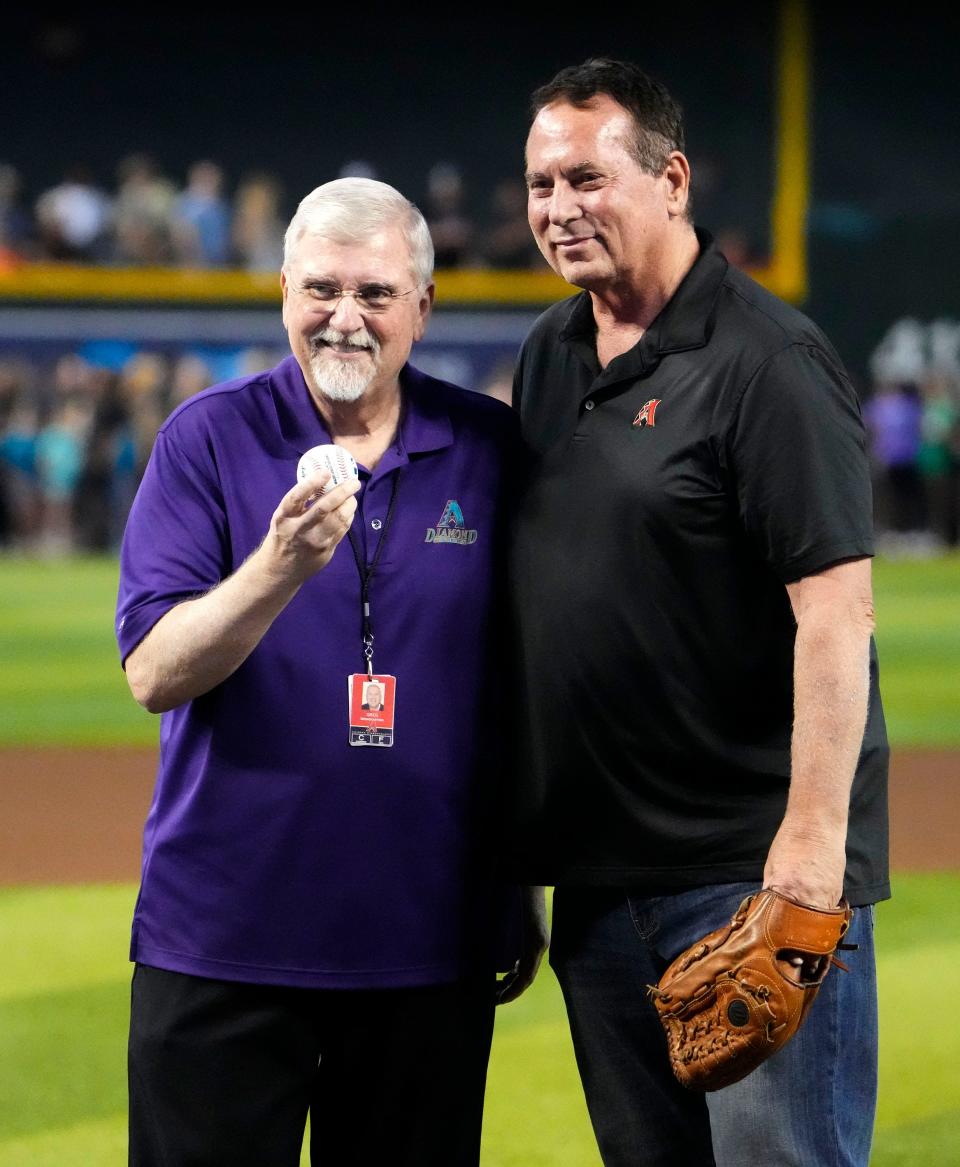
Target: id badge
column 371, row 704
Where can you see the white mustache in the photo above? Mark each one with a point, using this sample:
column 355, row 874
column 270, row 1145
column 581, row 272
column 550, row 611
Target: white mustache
column 359, row 338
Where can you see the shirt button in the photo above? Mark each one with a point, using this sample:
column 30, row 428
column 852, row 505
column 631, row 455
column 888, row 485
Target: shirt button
column 588, row 404
column 376, row 524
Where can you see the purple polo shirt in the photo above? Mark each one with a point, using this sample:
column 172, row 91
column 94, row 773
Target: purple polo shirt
column 275, row 852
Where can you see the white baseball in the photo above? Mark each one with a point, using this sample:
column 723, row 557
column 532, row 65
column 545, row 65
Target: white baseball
column 336, row 459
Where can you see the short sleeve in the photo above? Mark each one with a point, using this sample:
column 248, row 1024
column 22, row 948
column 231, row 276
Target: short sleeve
column 176, row 543
column 797, row 453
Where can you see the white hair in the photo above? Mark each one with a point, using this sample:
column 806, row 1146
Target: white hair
column 349, row 210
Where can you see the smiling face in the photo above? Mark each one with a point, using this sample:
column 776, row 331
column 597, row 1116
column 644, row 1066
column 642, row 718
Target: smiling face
column 347, row 351
column 374, row 696
column 599, row 219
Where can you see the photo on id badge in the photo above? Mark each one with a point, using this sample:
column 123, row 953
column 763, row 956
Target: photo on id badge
column 371, row 708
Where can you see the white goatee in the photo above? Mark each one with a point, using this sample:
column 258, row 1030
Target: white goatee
column 343, row 380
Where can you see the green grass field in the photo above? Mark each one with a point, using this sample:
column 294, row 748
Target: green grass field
column 63, row 1020
column 64, row 977
column 61, row 684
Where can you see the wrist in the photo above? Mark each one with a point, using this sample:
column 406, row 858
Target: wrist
column 816, row 827
column 278, row 571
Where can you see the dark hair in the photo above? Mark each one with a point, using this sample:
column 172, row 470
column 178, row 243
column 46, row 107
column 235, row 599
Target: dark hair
column 657, row 117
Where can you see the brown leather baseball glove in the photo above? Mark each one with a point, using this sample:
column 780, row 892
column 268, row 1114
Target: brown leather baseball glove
column 740, row 994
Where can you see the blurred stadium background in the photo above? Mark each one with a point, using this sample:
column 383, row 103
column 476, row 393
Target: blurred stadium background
column 148, row 166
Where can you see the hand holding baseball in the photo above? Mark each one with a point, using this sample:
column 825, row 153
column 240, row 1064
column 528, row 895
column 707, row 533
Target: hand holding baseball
column 307, row 526
column 337, row 460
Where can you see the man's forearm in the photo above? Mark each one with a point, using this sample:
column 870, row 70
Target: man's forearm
column 201, row 642
column 831, row 688
column 834, row 614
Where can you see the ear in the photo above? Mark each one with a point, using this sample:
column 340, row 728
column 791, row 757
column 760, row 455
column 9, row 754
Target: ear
column 423, row 310
column 677, row 175
column 285, row 289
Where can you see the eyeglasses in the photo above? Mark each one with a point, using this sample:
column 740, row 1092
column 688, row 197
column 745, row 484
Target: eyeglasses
column 368, row 297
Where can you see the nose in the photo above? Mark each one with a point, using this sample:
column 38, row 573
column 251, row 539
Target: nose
column 346, row 316
column 564, row 204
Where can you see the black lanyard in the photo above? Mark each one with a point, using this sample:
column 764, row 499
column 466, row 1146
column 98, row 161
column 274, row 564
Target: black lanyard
column 366, row 573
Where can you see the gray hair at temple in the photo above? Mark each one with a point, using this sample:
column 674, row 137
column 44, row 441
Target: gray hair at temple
column 350, row 210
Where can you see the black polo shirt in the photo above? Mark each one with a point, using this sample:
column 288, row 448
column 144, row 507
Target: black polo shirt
column 670, row 498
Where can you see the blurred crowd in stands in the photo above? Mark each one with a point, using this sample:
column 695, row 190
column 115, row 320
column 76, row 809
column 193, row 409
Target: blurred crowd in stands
column 912, row 414
column 75, row 437
column 75, row 434
column 149, row 220
column 74, row 440
column 914, row 433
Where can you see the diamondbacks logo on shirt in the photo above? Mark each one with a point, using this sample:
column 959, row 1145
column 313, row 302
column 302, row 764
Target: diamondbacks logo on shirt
column 647, row 414
column 451, row 527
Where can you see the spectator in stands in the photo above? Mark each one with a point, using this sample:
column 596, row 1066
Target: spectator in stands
column 893, row 418
column 256, row 359
column 201, row 218
column 60, row 452
column 451, row 228
column 13, row 385
column 143, row 213
column 939, row 454
column 66, row 402
column 735, row 245
column 357, row 168
column 190, row 374
column 258, row 227
column 499, row 381
column 73, row 218
column 507, row 242
column 144, row 382
column 19, row 487
column 97, row 526
column 16, row 225
column 130, row 413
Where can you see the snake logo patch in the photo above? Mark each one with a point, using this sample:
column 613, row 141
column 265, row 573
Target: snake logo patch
column 647, row 415
column 451, row 528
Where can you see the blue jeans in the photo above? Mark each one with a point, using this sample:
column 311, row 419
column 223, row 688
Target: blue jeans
column 811, row 1105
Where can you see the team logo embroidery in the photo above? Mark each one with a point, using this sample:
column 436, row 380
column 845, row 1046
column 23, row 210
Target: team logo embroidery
column 451, row 527
column 647, row 414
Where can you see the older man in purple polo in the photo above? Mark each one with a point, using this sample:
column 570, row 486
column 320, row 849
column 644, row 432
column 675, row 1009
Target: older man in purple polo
column 318, row 925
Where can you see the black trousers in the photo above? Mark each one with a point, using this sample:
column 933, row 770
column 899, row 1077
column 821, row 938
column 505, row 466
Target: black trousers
column 222, row 1074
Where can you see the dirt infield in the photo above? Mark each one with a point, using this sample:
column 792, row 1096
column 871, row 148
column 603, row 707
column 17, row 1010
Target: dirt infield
column 76, row 815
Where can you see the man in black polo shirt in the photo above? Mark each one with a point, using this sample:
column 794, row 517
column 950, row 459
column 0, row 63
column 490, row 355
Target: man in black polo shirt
column 697, row 677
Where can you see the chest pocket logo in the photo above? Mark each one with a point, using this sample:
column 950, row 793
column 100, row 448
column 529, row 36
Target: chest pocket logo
column 451, row 528
column 647, row 414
